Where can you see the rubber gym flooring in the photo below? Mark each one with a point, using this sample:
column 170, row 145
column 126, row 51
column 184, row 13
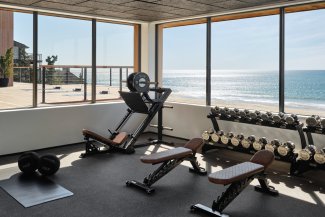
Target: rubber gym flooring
column 98, row 184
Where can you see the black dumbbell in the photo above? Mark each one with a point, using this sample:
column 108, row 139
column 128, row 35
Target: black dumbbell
column 248, row 142
column 29, row 162
column 48, row 164
column 319, row 156
column 278, row 118
column 292, row 119
column 307, row 153
column 236, row 140
column 260, row 144
column 322, row 123
column 313, row 121
column 273, row 145
column 285, row 148
column 225, row 139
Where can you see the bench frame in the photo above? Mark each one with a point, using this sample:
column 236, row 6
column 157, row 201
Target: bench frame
column 232, row 192
column 163, row 169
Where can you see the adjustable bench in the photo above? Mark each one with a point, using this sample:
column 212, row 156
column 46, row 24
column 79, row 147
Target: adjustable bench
column 169, row 160
column 111, row 144
column 239, row 177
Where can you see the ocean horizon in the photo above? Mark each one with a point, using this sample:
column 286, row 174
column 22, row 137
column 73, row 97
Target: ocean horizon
column 303, row 88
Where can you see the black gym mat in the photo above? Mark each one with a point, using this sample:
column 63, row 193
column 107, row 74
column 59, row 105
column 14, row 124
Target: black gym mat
column 33, row 190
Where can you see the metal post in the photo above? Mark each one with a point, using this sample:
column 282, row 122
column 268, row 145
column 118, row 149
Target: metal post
column 120, row 79
column 281, row 61
column 93, row 63
column 208, row 63
column 43, row 85
column 139, row 48
column 85, row 83
column 127, row 73
column 110, row 76
column 20, row 75
column 35, row 51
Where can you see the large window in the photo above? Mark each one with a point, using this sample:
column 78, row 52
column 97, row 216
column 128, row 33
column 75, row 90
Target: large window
column 115, row 49
column 305, row 63
column 245, row 63
column 184, row 63
column 65, row 60
column 16, row 75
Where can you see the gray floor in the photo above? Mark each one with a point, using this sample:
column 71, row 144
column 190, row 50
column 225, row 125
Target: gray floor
column 98, row 184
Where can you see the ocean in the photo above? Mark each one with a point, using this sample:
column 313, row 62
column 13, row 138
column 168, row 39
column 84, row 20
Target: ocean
column 303, row 88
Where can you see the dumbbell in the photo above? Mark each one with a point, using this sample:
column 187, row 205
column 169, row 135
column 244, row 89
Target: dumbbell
column 206, row 135
column 292, row 119
column 319, row 156
column 29, row 162
column 236, row 140
column 214, row 111
column 273, row 145
column 217, row 136
column 307, row 153
column 47, row 164
column 313, row 121
column 244, row 114
column 285, row 148
column 254, row 116
column 247, row 142
column 322, row 123
column 278, row 118
column 266, row 117
column 260, row 144
column 225, row 139
column 234, row 113
column 225, row 112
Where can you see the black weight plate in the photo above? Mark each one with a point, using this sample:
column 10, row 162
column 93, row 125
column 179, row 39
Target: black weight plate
column 49, row 164
column 28, row 162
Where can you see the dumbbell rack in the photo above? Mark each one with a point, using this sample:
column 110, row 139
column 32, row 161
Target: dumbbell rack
column 291, row 158
column 302, row 166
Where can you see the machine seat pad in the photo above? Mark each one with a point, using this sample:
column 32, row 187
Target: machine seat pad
column 159, row 157
column 235, row 173
column 118, row 140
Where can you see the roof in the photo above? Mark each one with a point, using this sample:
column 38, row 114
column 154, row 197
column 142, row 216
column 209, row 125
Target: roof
column 20, row 45
column 145, row 10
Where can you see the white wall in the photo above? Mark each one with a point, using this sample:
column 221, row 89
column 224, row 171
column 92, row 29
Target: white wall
column 30, row 129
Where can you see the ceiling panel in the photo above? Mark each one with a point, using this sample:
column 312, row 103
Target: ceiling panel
column 145, row 10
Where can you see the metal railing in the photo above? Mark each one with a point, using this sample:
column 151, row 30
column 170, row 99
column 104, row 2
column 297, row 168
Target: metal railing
column 57, row 75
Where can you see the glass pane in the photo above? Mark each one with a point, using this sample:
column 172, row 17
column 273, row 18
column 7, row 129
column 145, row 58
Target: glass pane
column 184, row 63
column 305, row 65
column 65, row 60
column 16, row 47
column 245, row 63
column 115, row 48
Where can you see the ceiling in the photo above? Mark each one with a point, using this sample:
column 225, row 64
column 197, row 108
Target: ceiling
column 143, row 10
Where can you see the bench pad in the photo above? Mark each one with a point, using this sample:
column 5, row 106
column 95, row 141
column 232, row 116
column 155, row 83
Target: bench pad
column 160, row 157
column 118, row 140
column 235, row 173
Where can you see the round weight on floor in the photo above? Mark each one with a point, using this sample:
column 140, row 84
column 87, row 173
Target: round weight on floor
column 49, row 164
column 28, row 162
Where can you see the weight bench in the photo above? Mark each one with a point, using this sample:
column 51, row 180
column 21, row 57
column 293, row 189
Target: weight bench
column 239, row 177
column 111, row 144
column 169, row 160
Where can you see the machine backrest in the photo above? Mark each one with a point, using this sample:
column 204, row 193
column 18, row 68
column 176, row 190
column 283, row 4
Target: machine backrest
column 134, row 101
column 263, row 157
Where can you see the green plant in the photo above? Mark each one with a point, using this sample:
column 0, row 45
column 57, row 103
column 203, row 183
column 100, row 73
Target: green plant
column 6, row 64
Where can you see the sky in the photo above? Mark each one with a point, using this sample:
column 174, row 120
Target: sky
column 247, row 44
column 70, row 40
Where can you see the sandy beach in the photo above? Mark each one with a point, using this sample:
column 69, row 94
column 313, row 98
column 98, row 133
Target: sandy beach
column 20, row 96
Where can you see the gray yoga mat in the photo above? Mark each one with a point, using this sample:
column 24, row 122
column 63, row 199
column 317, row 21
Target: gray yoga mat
column 33, row 190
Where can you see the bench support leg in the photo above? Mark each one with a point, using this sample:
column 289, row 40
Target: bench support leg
column 91, row 149
column 196, row 166
column 160, row 172
column 264, row 186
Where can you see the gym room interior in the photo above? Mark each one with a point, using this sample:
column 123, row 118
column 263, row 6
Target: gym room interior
column 162, row 108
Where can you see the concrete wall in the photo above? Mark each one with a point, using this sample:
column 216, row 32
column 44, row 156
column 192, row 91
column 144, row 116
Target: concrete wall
column 190, row 121
column 23, row 130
